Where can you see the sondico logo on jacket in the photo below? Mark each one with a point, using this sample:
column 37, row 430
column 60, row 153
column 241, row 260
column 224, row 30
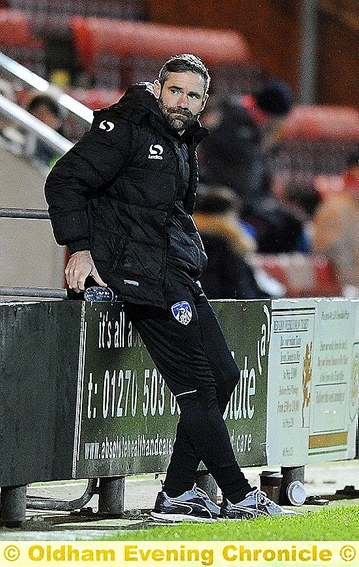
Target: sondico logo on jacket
column 155, row 151
column 106, row 125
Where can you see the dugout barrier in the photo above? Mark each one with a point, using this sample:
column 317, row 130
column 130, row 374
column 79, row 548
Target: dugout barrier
column 81, row 398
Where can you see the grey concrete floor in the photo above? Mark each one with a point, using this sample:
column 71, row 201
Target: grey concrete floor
column 322, row 480
column 141, row 491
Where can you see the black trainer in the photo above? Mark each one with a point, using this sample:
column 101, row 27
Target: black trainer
column 191, row 506
column 254, row 505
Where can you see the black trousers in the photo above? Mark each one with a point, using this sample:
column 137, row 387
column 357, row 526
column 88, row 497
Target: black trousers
column 188, row 347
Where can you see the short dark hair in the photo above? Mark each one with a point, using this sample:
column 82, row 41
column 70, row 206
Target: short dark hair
column 353, row 158
column 275, row 98
column 181, row 64
column 41, row 99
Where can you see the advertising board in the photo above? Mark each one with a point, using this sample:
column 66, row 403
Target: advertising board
column 126, row 417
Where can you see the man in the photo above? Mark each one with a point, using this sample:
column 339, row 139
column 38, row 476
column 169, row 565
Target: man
column 244, row 135
column 336, row 228
column 46, row 109
column 121, row 200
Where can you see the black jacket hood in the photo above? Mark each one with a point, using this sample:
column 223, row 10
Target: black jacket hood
column 140, row 94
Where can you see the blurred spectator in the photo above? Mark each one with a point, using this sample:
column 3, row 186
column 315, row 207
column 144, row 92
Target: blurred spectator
column 336, row 229
column 46, row 109
column 303, row 196
column 243, row 134
column 350, row 176
column 280, row 227
column 228, row 245
column 232, row 155
column 302, row 200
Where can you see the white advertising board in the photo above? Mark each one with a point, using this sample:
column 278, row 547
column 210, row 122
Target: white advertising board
column 313, row 371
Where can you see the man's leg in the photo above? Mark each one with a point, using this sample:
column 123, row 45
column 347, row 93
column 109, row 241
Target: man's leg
column 178, row 351
column 224, row 367
column 202, row 378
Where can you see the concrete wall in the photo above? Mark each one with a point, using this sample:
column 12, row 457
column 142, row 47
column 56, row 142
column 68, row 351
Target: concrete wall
column 29, row 255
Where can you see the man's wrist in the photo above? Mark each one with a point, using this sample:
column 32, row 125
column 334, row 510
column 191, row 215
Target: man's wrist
column 78, row 252
column 78, row 246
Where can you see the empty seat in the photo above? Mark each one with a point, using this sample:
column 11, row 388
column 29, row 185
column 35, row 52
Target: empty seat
column 18, row 41
column 126, row 46
column 321, row 123
column 302, row 275
column 95, row 98
column 316, row 140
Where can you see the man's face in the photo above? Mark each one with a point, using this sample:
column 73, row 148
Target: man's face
column 181, row 99
column 46, row 116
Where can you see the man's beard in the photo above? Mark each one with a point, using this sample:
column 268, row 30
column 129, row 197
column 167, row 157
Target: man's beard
column 178, row 119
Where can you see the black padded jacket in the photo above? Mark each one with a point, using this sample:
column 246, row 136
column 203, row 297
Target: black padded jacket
column 113, row 193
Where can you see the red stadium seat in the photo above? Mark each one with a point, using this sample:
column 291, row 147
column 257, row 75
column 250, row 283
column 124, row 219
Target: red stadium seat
column 95, row 98
column 102, row 43
column 315, row 141
column 321, row 123
column 328, row 185
column 302, row 275
column 130, row 38
column 18, row 41
column 15, row 30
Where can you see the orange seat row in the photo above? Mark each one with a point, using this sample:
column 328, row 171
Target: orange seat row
column 123, row 39
column 302, row 275
column 16, row 30
column 314, row 122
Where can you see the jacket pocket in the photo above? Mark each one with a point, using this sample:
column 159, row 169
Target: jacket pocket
column 107, row 249
column 118, row 252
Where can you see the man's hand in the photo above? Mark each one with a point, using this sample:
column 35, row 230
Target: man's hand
column 79, row 267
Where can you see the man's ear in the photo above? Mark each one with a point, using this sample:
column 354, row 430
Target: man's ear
column 157, row 89
column 205, row 98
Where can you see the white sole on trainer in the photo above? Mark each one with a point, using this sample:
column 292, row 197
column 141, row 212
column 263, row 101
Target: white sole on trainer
column 176, row 518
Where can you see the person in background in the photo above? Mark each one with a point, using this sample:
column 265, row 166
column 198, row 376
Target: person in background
column 304, row 199
column 336, row 229
column 228, row 244
column 244, row 134
column 122, row 201
column 280, row 227
column 45, row 108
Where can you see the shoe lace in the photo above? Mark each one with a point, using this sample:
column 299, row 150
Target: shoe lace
column 262, row 499
column 200, row 492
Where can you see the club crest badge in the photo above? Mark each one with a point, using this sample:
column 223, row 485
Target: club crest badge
column 182, row 312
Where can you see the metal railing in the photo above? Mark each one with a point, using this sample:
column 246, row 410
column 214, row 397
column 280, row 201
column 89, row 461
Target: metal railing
column 29, row 124
column 35, row 129
column 24, row 213
column 33, row 126
column 51, row 293
column 14, row 70
column 44, row 292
